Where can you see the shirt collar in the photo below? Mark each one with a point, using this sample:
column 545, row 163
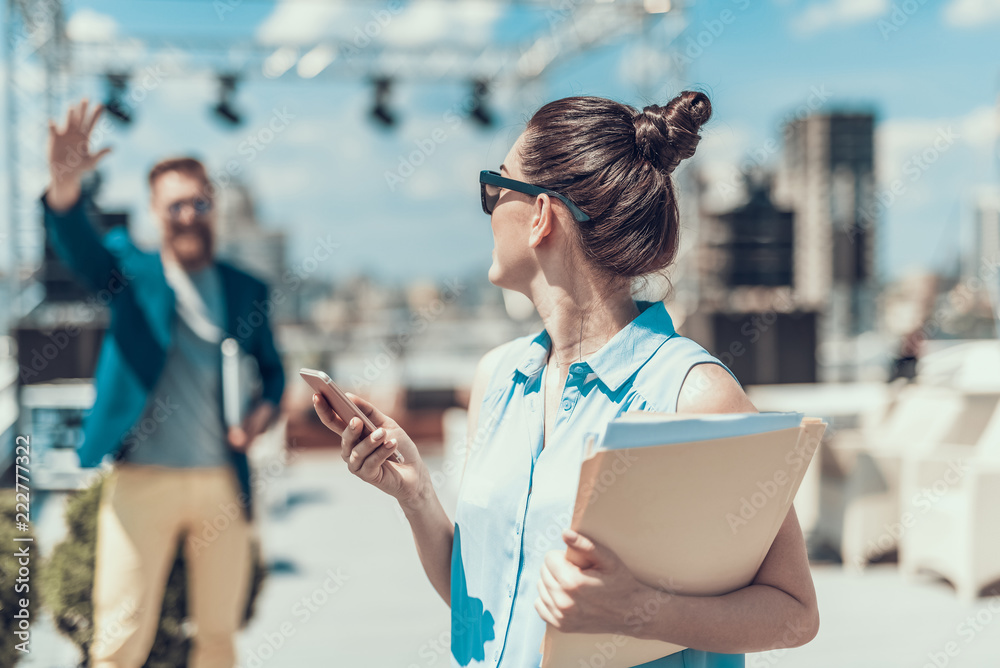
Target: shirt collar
column 622, row 356
column 538, row 351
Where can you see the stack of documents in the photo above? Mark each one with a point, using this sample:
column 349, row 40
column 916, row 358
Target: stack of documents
column 691, row 504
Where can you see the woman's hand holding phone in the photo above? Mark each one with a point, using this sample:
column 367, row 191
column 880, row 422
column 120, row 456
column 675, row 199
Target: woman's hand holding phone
column 369, row 457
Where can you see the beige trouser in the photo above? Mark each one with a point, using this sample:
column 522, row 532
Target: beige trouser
column 144, row 512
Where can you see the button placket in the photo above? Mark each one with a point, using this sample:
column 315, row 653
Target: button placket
column 571, row 393
column 512, row 581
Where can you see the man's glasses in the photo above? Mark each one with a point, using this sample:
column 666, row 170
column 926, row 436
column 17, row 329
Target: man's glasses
column 200, row 205
column 491, row 183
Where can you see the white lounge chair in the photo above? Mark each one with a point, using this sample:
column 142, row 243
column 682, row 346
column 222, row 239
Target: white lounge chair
column 923, row 417
column 951, row 498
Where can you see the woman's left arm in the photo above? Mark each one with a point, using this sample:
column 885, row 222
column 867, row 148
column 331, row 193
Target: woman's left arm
column 777, row 610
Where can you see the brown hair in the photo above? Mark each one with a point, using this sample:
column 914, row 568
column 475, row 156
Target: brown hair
column 185, row 165
column 615, row 162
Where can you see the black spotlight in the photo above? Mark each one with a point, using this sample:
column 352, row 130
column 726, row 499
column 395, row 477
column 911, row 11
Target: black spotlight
column 380, row 109
column 115, row 102
column 479, row 112
column 224, row 109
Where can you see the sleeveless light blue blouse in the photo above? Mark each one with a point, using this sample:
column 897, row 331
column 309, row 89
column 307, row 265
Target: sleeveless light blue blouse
column 516, row 498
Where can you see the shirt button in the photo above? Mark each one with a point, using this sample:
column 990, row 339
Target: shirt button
column 567, row 404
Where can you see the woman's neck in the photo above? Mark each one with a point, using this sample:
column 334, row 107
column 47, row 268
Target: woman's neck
column 580, row 321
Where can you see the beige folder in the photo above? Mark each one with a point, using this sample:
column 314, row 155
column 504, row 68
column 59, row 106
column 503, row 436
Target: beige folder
column 693, row 518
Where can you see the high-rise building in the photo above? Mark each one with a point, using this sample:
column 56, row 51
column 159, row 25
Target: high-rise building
column 984, row 260
column 828, row 179
column 747, row 315
column 986, row 233
column 244, row 241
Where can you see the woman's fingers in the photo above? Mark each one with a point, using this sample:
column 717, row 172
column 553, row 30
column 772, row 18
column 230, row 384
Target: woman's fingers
column 545, row 596
column 545, row 614
column 360, row 451
column 326, row 415
column 369, row 470
column 557, row 595
column 364, row 456
column 349, row 438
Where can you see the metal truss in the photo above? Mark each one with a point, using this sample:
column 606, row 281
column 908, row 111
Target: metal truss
column 41, row 62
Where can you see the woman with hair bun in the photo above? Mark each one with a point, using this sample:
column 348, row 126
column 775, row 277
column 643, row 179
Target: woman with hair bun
column 584, row 204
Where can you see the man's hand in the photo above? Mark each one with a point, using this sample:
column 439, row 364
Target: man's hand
column 242, row 437
column 69, row 155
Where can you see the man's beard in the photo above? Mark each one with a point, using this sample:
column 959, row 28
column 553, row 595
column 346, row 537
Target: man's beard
column 192, row 245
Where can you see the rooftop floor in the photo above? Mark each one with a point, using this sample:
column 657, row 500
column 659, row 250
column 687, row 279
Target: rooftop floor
column 324, row 530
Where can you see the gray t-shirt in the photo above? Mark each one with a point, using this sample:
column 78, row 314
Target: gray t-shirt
column 182, row 424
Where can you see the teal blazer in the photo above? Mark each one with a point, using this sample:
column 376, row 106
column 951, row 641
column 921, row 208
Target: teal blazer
column 131, row 281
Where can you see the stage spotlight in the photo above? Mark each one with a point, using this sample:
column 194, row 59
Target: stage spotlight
column 479, row 112
column 115, row 103
column 380, row 109
column 224, row 109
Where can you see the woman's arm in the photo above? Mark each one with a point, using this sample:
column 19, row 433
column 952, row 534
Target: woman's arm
column 433, row 532
column 409, row 483
column 433, row 535
column 777, row 610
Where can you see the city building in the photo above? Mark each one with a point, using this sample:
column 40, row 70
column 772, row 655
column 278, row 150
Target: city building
column 244, row 241
column 984, row 260
column 827, row 178
column 747, row 313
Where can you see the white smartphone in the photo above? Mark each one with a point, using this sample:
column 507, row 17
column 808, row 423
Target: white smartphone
column 340, row 403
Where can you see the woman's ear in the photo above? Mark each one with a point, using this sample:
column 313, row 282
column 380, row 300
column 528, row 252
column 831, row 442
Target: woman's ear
column 542, row 220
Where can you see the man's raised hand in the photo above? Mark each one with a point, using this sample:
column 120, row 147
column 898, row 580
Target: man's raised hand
column 69, row 154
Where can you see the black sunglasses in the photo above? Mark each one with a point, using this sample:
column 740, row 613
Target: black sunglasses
column 490, row 184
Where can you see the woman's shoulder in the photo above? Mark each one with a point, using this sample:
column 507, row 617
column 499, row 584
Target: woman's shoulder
column 494, row 370
column 662, row 377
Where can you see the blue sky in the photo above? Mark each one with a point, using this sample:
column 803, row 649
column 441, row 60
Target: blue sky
column 923, row 68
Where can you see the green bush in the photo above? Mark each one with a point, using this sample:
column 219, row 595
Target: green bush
column 9, row 567
column 68, row 577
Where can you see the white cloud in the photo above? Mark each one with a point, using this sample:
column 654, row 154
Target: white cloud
column 300, row 22
column 286, row 178
column 430, row 20
column 183, row 95
column 418, row 22
column 724, row 153
column 972, row 13
column 981, row 127
column 86, row 25
column 899, row 140
column 832, row 13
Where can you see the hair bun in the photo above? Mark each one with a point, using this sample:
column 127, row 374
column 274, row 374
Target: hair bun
column 667, row 135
